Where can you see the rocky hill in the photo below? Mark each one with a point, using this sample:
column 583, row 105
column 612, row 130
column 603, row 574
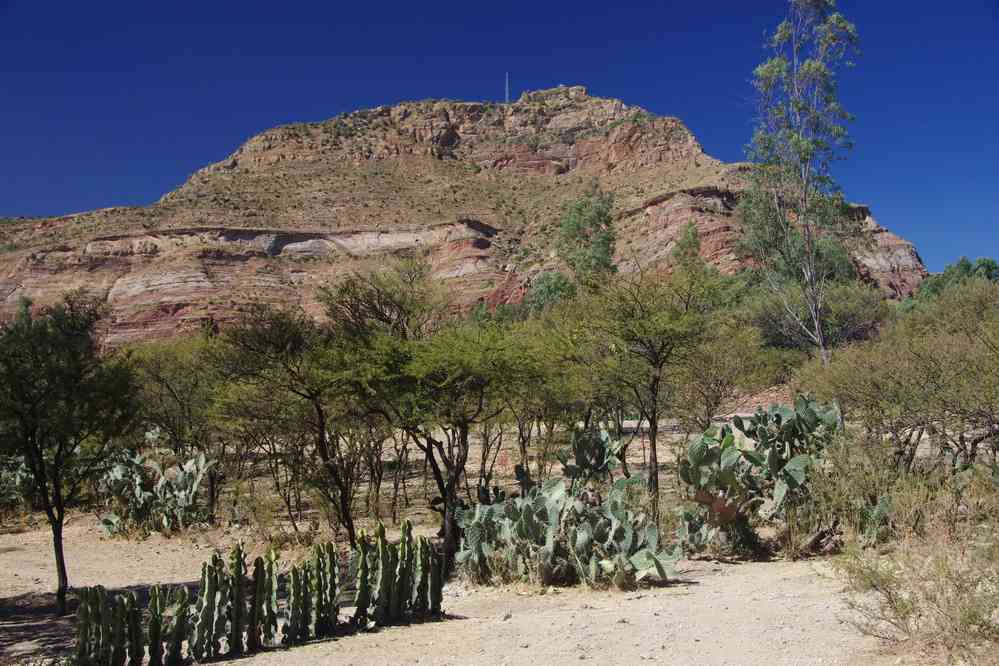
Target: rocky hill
column 477, row 187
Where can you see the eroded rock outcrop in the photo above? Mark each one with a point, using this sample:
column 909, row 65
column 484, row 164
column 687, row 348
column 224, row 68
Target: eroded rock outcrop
column 477, row 188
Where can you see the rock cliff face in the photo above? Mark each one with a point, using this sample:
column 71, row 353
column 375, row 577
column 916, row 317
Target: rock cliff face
column 476, row 187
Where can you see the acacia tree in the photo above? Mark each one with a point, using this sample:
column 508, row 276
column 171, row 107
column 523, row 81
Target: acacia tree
column 62, row 405
column 291, row 357
column 650, row 324
column 278, row 431
column 726, row 360
column 793, row 214
column 459, row 376
column 178, row 393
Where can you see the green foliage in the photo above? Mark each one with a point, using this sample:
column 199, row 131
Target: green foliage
column 63, row 404
column 144, row 496
column 548, row 289
column 554, row 538
column 773, row 474
column 592, row 456
column 382, row 593
column 15, row 484
column 787, row 444
column 421, row 602
column 795, row 220
column 932, row 376
column 983, row 268
column 586, row 236
column 850, row 312
column 179, row 393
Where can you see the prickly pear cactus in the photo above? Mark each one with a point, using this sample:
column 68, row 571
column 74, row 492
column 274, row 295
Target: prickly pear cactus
column 155, row 630
column 179, row 630
column 237, row 599
column 136, row 640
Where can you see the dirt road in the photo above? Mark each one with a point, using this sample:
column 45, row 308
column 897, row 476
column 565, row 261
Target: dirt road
column 741, row 614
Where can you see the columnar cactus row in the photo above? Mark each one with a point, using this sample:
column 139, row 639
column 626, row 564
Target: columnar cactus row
column 394, row 581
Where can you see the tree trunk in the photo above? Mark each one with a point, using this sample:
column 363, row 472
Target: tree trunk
column 60, row 560
column 654, row 464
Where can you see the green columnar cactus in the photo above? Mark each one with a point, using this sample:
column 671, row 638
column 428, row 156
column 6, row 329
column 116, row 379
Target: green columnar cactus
column 155, row 632
column 105, row 610
column 84, row 630
column 386, row 575
column 254, row 624
column 436, row 582
column 223, row 604
column 400, row 586
column 270, row 622
column 305, row 618
column 119, row 631
column 204, row 624
column 422, row 577
column 333, row 583
column 290, row 630
column 136, row 640
column 237, row 599
column 320, row 591
column 362, row 596
column 179, row 630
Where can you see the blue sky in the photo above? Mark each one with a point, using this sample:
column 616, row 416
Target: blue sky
column 112, row 103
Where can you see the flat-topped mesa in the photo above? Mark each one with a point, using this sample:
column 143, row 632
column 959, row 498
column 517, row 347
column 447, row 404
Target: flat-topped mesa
column 476, row 187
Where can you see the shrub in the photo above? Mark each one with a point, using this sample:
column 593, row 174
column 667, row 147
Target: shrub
column 938, row 586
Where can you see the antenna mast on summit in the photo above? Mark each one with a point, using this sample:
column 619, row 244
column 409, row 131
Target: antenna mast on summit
column 508, row 87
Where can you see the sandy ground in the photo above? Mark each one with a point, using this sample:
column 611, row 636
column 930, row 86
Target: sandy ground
column 745, row 614
column 758, row 613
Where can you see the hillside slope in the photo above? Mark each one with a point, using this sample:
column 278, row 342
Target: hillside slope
column 477, row 187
